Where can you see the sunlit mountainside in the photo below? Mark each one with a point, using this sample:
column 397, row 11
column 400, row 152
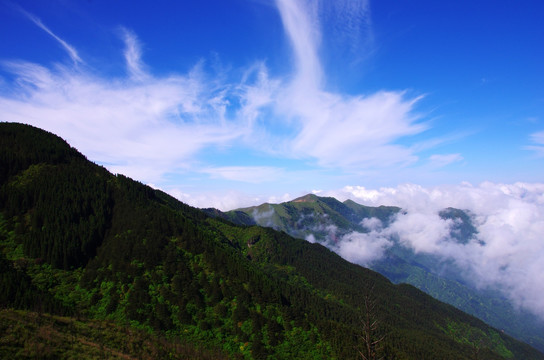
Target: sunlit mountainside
column 366, row 235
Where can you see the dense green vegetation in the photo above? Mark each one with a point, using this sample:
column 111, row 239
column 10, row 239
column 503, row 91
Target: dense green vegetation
column 40, row 335
column 128, row 271
column 315, row 216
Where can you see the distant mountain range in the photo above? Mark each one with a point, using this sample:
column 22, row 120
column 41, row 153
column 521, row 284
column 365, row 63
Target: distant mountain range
column 95, row 265
column 333, row 223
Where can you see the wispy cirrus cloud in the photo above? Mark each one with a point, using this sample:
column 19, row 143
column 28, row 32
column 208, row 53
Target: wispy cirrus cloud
column 538, row 137
column 249, row 174
column 338, row 129
column 67, row 47
column 441, row 160
column 142, row 126
column 350, row 27
column 538, row 140
column 133, row 55
column 147, row 126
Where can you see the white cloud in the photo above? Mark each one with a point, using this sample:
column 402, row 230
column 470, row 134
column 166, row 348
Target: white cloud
column 250, row 174
column 147, row 126
column 508, row 249
column 538, row 140
column 143, row 128
column 372, row 224
column 440, row 160
column 133, row 55
column 224, row 200
column 264, row 217
column 538, row 137
column 335, row 129
column 310, row 238
column 258, row 94
column 538, row 150
column 422, row 232
column 67, row 47
column 363, row 248
column 303, row 32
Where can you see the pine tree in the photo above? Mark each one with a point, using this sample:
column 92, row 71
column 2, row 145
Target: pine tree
column 370, row 340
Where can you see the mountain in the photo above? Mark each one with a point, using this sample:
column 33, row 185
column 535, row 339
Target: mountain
column 326, row 220
column 311, row 215
column 98, row 263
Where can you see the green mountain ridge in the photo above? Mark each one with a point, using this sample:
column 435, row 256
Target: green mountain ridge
column 326, row 219
column 310, row 215
column 87, row 250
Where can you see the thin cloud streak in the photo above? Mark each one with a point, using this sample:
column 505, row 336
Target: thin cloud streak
column 67, row 47
column 538, row 139
column 133, row 56
column 248, row 174
column 441, row 160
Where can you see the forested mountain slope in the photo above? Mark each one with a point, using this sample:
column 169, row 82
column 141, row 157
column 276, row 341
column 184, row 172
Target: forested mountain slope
column 331, row 222
column 98, row 250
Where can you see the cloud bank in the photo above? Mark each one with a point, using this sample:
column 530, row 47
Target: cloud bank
column 505, row 254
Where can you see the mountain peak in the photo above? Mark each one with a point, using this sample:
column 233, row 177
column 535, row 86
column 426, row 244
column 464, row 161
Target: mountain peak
column 307, row 198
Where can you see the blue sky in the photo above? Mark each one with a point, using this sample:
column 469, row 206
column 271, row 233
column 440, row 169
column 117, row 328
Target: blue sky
column 235, row 103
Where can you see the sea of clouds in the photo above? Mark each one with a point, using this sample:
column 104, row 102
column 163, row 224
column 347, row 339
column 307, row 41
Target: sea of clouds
column 506, row 252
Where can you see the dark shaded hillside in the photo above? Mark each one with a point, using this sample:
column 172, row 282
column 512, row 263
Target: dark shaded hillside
column 236, row 217
column 80, row 242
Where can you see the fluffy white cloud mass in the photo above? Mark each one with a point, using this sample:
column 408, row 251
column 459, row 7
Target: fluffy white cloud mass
column 363, row 248
column 506, row 253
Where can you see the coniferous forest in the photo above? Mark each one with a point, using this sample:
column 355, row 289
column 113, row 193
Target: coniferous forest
column 96, row 265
